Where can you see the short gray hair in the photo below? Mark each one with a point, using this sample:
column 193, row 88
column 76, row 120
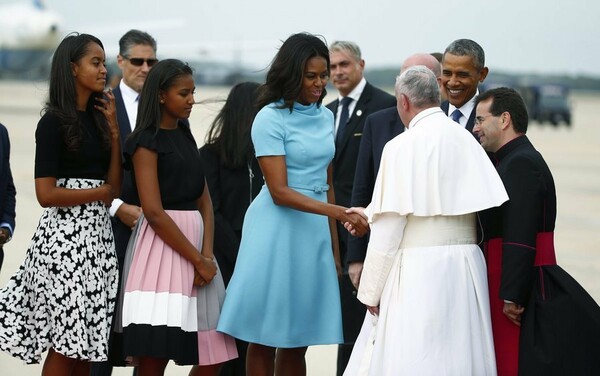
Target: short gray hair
column 420, row 86
column 133, row 38
column 467, row 47
column 346, row 46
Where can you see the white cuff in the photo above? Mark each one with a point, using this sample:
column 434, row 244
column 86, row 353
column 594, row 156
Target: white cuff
column 10, row 229
column 116, row 204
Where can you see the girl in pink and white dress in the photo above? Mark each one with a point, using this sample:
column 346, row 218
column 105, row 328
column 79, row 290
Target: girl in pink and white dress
column 172, row 289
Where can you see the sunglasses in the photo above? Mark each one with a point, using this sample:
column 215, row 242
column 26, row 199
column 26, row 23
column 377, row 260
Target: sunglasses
column 138, row 61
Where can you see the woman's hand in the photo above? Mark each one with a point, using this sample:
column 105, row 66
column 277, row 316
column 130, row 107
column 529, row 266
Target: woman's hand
column 198, row 280
column 206, row 270
column 356, row 222
column 109, row 110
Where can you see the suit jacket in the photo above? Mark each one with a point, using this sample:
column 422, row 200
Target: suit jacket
column 470, row 123
column 8, row 191
column 121, row 231
column 122, row 118
column 380, row 127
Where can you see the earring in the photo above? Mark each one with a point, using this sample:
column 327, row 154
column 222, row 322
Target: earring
column 162, row 101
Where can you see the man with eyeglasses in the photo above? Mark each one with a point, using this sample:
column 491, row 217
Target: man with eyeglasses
column 137, row 55
column 543, row 321
column 463, row 68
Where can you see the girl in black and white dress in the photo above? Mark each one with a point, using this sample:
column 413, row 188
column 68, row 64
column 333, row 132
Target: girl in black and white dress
column 62, row 298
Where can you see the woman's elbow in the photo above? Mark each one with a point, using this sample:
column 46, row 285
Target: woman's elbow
column 44, row 201
column 153, row 216
column 44, row 191
column 43, row 198
column 279, row 197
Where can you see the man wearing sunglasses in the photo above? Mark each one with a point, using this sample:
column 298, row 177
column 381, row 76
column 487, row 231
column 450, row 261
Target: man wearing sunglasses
column 137, row 55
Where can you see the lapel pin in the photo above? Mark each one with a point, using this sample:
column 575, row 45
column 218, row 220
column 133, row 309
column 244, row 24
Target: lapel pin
column 359, row 112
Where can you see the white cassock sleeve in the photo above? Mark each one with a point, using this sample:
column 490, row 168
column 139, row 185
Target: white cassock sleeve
column 387, row 231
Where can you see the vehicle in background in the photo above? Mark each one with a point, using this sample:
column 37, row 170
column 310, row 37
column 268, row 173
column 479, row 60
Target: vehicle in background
column 547, row 103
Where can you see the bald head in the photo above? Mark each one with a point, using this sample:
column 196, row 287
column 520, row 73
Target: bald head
column 423, row 59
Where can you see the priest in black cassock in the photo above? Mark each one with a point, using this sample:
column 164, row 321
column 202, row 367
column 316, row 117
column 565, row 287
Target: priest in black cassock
column 543, row 321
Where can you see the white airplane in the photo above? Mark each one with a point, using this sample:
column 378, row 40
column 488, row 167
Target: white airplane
column 29, row 33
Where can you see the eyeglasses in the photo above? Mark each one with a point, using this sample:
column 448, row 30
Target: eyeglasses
column 481, row 119
column 138, row 61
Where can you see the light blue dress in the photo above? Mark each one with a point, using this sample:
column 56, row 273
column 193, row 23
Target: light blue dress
column 284, row 290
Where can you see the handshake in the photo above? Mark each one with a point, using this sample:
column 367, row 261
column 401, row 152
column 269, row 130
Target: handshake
column 355, row 221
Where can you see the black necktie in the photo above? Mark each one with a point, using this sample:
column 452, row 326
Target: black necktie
column 343, row 119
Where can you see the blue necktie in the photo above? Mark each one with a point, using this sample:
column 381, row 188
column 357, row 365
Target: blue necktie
column 456, row 115
column 343, row 119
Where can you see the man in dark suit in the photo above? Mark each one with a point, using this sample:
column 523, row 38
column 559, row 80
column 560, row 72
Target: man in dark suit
column 8, row 193
column 380, row 127
column 357, row 99
column 463, row 68
column 137, row 54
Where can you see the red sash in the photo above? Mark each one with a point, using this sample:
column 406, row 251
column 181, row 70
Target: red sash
column 506, row 334
column 544, row 248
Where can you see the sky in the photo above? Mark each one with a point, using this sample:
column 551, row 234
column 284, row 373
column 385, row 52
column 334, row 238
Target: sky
column 548, row 37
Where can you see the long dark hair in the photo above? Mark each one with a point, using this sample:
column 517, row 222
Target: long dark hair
column 284, row 79
column 62, row 96
column 161, row 77
column 229, row 134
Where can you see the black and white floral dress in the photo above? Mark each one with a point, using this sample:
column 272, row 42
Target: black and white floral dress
column 63, row 295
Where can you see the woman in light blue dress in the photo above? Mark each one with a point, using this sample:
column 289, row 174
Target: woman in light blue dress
column 284, row 291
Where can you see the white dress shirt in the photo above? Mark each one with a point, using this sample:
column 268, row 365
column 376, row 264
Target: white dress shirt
column 355, row 95
column 466, row 110
column 130, row 98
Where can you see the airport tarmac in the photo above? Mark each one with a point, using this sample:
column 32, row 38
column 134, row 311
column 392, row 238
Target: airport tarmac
column 573, row 155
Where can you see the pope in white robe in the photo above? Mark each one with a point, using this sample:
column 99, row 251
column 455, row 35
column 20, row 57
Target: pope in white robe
column 424, row 272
